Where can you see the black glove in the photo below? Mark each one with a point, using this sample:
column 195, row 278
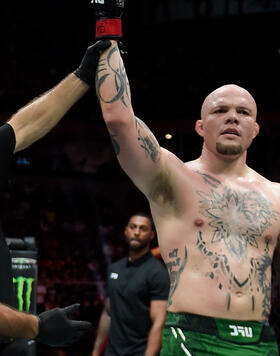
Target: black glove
column 87, row 69
column 55, row 329
column 108, row 15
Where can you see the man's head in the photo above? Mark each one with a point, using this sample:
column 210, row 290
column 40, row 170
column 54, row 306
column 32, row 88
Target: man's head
column 228, row 120
column 139, row 232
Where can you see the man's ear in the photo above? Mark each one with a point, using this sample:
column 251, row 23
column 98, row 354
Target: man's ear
column 256, row 130
column 199, row 127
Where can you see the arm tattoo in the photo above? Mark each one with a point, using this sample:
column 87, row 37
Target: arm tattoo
column 147, row 142
column 105, row 70
column 257, row 279
column 175, row 274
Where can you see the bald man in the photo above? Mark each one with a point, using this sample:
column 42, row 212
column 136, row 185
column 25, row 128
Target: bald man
column 217, row 220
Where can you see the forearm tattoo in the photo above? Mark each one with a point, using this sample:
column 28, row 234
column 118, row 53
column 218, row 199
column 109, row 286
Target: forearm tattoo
column 175, row 268
column 147, row 142
column 106, row 71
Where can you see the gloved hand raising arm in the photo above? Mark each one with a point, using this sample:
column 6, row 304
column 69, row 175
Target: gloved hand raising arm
column 87, row 69
column 38, row 117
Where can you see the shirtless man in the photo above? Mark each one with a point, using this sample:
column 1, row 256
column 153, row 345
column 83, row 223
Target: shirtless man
column 217, row 220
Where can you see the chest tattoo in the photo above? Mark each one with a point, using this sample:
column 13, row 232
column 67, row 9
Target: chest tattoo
column 238, row 219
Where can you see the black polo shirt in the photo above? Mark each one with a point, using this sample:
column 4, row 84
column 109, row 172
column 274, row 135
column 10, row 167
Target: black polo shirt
column 131, row 288
column 7, row 146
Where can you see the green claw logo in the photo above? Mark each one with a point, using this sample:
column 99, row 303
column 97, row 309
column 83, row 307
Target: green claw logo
column 23, row 286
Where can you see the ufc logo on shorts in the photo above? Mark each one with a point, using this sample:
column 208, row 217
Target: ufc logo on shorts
column 97, row 1
column 241, row 330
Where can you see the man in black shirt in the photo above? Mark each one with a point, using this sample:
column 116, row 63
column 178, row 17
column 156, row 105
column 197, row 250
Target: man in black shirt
column 24, row 128
column 137, row 293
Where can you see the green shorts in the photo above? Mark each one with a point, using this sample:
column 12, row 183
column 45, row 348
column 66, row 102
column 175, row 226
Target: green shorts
column 196, row 335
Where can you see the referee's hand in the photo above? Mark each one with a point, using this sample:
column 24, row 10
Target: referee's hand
column 56, row 329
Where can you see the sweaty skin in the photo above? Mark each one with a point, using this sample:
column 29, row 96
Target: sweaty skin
column 217, row 220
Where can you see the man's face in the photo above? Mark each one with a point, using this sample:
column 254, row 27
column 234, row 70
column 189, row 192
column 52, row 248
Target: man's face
column 139, row 233
column 228, row 121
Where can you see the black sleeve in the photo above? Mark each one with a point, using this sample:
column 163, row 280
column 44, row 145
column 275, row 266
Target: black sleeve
column 159, row 282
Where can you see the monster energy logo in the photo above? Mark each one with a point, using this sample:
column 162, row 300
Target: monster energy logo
column 24, row 286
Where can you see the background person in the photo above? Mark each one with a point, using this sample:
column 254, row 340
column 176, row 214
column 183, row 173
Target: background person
column 137, row 292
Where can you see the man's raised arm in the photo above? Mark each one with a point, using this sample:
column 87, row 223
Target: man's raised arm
column 136, row 147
